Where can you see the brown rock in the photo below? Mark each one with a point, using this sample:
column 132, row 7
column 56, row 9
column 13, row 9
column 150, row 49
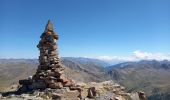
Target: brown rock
column 91, row 92
column 142, row 95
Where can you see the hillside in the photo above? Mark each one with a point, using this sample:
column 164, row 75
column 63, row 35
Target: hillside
column 87, row 70
column 12, row 70
column 150, row 76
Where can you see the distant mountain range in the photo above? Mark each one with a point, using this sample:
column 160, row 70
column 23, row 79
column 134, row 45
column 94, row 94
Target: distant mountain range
column 88, row 60
column 149, row 76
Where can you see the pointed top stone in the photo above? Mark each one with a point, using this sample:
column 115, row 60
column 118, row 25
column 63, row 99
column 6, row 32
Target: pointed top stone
column 49, row 26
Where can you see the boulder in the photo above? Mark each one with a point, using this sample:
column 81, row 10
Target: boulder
column 92, row 92
column 142, row 95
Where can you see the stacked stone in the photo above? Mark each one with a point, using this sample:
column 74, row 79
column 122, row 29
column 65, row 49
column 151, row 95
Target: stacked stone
column 50, row 72
column 50, row 77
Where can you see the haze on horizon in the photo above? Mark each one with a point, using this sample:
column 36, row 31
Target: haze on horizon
column 112, row 29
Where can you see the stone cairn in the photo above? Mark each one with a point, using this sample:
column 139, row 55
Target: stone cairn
column 49, row 74
column 49, row 79
column 50, row 71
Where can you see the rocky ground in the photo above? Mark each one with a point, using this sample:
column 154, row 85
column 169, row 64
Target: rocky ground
column 107, row 90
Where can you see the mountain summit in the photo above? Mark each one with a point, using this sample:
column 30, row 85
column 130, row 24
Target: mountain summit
column 49, row 81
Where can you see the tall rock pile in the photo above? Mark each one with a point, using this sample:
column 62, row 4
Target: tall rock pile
column 50, row 73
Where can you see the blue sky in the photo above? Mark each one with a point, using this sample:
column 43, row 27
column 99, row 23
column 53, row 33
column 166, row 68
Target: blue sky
column 89, row 28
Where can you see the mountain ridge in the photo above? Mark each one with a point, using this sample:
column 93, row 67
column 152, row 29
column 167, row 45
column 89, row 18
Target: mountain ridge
column 149, row 76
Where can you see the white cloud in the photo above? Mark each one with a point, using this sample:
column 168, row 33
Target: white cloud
column 135, row 56
column 139, row 55
column 105, row 57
